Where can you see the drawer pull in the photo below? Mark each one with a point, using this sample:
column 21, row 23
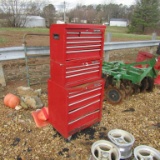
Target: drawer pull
column 84, row 106
column 83, row 117
column 75, row 75
column 80, row 42
column 84, row 64
column 83, row 46
column 90, row 50
column 85, row 92
column 98, row 32
column 83, row 69
column 84, row 99
column 84, row 37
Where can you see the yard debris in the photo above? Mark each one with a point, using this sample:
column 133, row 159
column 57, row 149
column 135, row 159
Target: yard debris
column 129, row 110
column 33, row 102
column 27, row 91
column 30, row 98
column 11, row 100
column 25, row 98
column 41, row 117
column 18, row 107
column 15, row 141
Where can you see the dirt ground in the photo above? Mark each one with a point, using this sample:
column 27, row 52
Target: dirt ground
column 20, row 139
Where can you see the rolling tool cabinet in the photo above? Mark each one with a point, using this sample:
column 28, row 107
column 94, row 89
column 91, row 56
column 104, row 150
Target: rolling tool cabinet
column 75, row 87
column 74, row 108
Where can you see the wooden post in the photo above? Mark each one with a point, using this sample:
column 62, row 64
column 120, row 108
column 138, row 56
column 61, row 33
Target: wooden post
column 2, row 79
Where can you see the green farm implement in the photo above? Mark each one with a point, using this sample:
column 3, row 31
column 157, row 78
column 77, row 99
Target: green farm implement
column 125, row 79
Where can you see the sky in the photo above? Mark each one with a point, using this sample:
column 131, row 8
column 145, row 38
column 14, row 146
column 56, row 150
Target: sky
column 72, row 3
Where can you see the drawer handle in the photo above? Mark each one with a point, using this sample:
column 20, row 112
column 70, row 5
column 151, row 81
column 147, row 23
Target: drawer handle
column 90, row 50
column 84, row 37
column 83, row 46
column 80, row 42
column 83, row 117
column 85, row 92
column 98, row 32
column 75, row 75
column 84, row 99
column 84, row 64
column 84, row 106
column 87, row 68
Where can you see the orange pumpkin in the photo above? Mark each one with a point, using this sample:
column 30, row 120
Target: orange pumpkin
column 11, row 100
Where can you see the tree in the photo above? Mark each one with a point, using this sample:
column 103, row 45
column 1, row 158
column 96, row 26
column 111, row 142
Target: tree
column 146, row 15
column 11, row 10
column 49, row 14
column 16, row 11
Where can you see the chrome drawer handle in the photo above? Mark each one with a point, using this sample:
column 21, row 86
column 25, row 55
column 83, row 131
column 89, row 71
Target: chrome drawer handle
column 83, row 69
column 75, row 75
column 83, row 46
column 84, row 107
column 84, row 64
column 83, row 117
column 91, row 50
column 71, row 104
column 85, row 92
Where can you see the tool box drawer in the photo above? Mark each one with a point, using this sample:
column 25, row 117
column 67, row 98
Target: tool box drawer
column 76, row 72
column 71, row 107
column 72, row 41
column 83, row 121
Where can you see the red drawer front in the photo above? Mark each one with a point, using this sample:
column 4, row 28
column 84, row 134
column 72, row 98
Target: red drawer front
column 83, row 42
column 84, row 97
column 85, row 100
column 78, row 123
column 70, row 42
column 76, row 72
column 83, row 110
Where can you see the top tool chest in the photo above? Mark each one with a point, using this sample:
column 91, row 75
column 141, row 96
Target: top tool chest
column 75, row 87
column 73, row 41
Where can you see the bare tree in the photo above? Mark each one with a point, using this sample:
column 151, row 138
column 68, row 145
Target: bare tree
column 16, row 11
column 12, row 9
column 49, row 12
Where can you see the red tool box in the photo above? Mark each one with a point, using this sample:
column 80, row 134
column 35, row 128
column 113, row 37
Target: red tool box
column 76, row 41
column 72, row 109
column 75, row 87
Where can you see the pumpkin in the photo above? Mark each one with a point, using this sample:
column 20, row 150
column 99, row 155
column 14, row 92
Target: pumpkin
column 11, row 100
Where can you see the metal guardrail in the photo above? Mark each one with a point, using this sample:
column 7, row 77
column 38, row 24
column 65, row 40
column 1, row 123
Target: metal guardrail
column 13, row 53
column 108, row 46
column 21, row 52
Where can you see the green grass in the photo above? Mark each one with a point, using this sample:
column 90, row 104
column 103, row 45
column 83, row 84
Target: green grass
column 132, row 36
column 41, row 30
column 118, row 33
column 121, row 34
column 117, row 29
column 2, row 40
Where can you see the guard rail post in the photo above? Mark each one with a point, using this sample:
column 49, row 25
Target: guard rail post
column 2, row 78
column 106, row 53
column 154, row 37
